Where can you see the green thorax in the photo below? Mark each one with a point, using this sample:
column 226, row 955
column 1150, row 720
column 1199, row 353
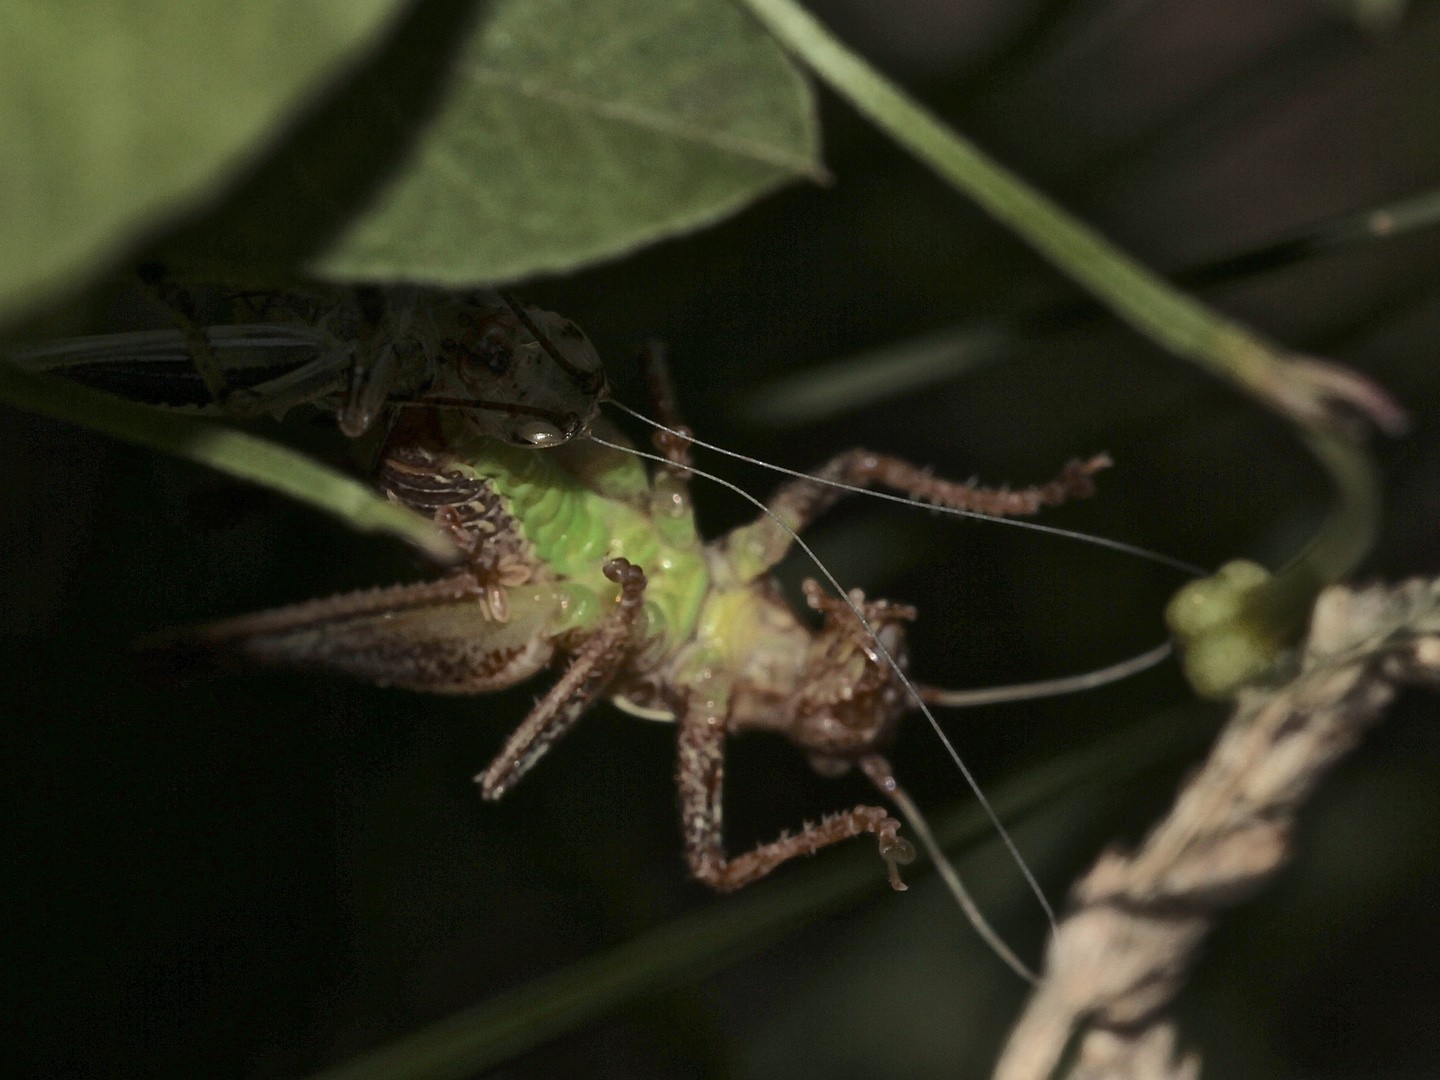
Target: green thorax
column 583, row 504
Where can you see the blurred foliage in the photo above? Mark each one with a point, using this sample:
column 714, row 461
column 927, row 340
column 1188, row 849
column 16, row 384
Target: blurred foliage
column 573, row 130
column 485, row 140
column 265, row 875
column 117, row 117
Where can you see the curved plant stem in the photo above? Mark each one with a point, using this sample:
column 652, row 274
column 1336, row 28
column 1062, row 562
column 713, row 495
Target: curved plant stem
column 1142, row 298
column 243, row 456
column 1303, row 390
column 1336, row 548
column 902, row 367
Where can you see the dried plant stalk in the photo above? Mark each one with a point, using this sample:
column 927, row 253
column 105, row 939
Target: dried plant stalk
column 1121, row 954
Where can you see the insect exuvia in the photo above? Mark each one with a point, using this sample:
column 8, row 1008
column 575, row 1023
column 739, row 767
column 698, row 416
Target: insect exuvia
column 520, row 374
column 575, row 557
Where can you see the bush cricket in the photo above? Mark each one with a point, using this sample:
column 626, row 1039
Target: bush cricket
column 575, row 557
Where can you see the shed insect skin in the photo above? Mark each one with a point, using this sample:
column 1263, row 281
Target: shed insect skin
column 518, row 373
column 575, row 557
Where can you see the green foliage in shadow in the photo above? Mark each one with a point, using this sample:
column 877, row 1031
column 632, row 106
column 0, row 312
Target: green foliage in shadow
column 116, row 117
column 493, row 141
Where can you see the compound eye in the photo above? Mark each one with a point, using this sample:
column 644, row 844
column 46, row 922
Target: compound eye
column 540, row 433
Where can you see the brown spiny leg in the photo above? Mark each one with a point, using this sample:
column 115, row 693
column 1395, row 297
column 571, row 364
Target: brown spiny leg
column 588, row 674
column 670, row 495
column 676, row 449
column 799, row 502
column 184, row 315
column 701, row 780
column 753, row 549
column 418, row 471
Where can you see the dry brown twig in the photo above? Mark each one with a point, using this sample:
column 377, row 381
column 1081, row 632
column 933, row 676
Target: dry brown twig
column 1121, row 954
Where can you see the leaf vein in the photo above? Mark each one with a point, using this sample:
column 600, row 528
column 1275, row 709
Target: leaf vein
column 651, row 120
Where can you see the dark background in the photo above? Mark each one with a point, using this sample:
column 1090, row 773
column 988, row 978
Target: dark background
column 263, row 874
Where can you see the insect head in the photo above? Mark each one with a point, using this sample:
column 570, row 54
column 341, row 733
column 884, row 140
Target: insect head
column 523, row 375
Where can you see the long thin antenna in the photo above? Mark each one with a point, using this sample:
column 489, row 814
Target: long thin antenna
column 1099, row 541
column 1069, row 684
column 878, row 770
column 890, row 662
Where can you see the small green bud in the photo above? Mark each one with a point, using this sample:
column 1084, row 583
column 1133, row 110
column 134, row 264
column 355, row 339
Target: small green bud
column 1222, row 644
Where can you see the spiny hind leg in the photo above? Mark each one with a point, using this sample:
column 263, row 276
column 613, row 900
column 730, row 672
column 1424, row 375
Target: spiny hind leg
column 701, row 774
column 753, row 549
column 588, row 674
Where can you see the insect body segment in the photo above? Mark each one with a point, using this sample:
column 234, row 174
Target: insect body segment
column 576, row 519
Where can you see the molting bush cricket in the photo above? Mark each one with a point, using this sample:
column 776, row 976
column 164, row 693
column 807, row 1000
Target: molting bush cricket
column 575, row 557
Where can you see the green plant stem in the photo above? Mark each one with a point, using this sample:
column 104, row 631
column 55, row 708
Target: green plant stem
column 1138, row 296
column 875, row 375
column 237, row 453
column 693, row 945
column 1283, row 606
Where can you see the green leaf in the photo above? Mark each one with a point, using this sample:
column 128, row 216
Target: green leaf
column 116, row 115
column 576, row 130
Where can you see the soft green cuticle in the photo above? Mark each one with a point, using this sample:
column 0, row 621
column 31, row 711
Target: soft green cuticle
column 1223, row 643
column 580, row 608
column 564, row 523
column 546, row 507
column 677, row 531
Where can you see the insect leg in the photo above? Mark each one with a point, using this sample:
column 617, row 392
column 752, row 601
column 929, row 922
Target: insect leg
column 376, row 365
column 374, row 371
column 181, row 305
column 588, row 674
column 881, row 775
column 701, row 776
column 673, row 444
column 319, row 378
column 755, row 548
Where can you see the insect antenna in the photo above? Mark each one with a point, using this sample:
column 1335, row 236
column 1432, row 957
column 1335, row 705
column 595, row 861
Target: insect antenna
column 1100, row 541
column 971, row 912
column 878, row 770
column 1069, row 684
column 991, row 695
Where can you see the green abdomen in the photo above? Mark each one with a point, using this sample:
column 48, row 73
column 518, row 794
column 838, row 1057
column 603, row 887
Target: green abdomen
column 575, row 529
